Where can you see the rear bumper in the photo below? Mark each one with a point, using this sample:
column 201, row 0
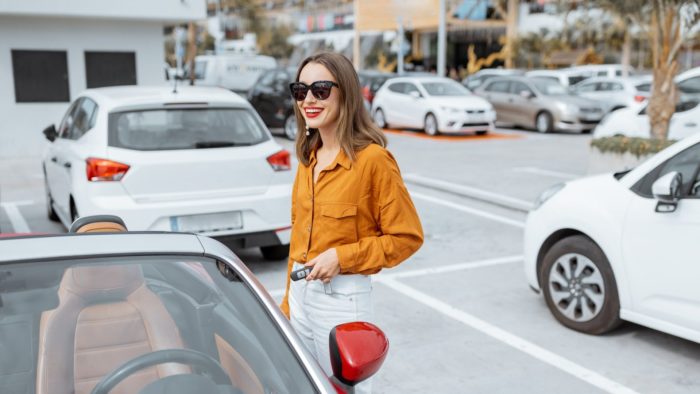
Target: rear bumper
column 260, row 213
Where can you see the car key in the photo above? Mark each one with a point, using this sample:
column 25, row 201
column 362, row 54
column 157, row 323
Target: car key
column 300, row 273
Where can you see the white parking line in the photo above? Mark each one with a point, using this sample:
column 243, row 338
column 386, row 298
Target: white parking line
column 509, row 339
column 540, row 171
column 16, row 219
column 450, row 268
column 473, row 211
column 469, row 191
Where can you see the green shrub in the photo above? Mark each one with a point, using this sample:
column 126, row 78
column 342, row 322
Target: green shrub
column 634, row 145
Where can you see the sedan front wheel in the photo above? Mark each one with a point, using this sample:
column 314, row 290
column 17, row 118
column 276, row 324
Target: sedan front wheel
column 579, row 286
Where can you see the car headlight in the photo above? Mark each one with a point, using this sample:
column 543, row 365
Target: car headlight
column 568, row 109
column 547, row 194
column 450, row 109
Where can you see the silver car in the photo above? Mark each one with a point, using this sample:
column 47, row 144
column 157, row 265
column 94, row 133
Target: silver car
column 155, row 313
column 615, row 93
column 539, row 103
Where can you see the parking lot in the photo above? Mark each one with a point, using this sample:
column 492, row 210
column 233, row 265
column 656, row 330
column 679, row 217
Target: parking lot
column 459, row 314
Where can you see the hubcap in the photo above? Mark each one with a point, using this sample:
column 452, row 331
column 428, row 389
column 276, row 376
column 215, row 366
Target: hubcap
column 576, row 287
column 379, row 118
column 430, row 125
column 290, row 127
column 542, row 123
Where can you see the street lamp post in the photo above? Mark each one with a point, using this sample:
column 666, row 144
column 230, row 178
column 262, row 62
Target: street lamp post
column 442, row 40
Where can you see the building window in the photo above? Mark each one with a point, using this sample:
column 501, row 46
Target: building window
column 110, row 69
column 40, row 76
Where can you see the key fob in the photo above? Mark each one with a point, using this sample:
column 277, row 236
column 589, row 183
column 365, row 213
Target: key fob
column 300, row 273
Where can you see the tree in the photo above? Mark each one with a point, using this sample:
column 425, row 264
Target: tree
column 667, row 23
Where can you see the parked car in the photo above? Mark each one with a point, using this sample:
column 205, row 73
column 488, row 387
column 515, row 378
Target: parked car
column 478, row 78
column 602, row 70
column 565, row 76
column 236, row 72
column 622, row 246
column 634, row 122
column 688, row 84
column 615, row 93
column 199, row 160
column 540, row 103
column 94, row 311
column 270, row 97
column 370, row 82
column 434, row 104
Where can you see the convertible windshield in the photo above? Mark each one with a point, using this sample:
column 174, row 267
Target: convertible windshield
column 445, row 89
column 139, row 324
column 549, row 87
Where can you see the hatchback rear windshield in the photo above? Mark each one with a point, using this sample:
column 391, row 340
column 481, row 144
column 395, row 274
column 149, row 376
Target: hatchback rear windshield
column 178, row 128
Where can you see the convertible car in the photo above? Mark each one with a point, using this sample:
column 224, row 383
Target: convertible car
column 103, row 310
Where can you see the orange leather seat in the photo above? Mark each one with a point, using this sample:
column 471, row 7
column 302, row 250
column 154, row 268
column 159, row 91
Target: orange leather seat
column 106, row 317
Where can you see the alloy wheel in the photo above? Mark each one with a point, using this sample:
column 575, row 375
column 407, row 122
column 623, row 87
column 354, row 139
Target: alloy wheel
column 577, row 287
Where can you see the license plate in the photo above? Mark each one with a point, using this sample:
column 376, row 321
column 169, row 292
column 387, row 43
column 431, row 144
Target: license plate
column 207, row 223
column 476, row 118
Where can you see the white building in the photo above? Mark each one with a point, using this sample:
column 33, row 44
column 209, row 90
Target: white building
column 50, row 51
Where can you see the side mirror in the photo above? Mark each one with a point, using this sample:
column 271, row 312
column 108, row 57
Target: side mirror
column 357, row 350
column 415, row 95
column 667, row 191
column 526, row 94
column 50, row 133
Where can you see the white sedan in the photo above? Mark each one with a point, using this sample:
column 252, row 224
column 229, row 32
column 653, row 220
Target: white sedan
column 436, row 105
column 199, row 160
column 634, row 122
column 622, row 246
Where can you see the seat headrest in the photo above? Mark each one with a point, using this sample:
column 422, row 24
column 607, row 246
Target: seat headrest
column 104, row 282
column 98, row 224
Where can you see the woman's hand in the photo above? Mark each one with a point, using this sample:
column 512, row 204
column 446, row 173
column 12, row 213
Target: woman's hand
column 325, row 266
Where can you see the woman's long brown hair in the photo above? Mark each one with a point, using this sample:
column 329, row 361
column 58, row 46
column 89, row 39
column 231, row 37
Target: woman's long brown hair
column 355, row 127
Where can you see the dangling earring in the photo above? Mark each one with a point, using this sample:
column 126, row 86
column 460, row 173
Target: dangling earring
column 307, row 130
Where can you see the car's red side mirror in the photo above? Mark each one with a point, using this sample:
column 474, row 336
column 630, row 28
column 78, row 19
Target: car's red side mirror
column 357, row 351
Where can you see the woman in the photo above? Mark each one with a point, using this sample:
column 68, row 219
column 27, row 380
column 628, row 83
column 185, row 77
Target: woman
column 351, row 213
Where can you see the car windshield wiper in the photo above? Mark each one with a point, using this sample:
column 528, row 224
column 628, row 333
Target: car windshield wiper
column 219, row 144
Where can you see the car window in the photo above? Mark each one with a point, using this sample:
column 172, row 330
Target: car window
column 267, row 78
column 691, row 85
column 83, row 119
column 397, row 87
column 498, row 87
column 602, row 73
column 146, row 304
column 644, row 87
column 169, row 129
column 200, row 69
column 410, row 87
column 377, row 83
column 519, row 87
column 586, row 87
column 548, row 87
column 67, row 121
column 685, row 162
column 445, row 89
column 576, row 79
column 686, row 105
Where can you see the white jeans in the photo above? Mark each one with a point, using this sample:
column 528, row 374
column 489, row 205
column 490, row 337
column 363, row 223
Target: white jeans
column 313, row 313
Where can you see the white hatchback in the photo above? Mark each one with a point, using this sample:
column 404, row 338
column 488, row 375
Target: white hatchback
column 198, row 160
column 622, row 246
column 436, row 105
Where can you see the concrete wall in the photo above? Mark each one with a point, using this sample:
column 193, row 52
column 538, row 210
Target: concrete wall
column 156, row 10
column 21, row 123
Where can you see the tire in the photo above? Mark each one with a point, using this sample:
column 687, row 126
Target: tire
column 275, row 252
column 431, row 125
column 50, row 212
column 379, row 119
column 483, row 132
column 588, row 302
column 544, row 122
column 290, row 127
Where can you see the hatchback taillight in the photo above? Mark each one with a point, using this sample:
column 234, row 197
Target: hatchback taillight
column 639, row 98
column 367, row 94
column 280, row 161
column 102, row 170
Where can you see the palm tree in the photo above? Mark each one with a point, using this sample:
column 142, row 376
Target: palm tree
column 667, row 24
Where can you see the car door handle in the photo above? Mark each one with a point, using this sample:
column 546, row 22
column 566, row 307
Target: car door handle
column 67, row 165
column 53, row 159
column 691, row 124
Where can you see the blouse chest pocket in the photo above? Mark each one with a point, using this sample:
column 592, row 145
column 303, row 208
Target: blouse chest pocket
column 338, row 222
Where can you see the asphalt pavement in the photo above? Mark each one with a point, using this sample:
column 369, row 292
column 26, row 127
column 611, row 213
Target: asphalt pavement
column 459, row 314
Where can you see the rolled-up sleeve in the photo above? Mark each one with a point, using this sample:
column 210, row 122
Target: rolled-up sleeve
column 401, row 233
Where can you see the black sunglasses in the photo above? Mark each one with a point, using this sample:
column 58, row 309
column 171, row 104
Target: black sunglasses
column 320, row 89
